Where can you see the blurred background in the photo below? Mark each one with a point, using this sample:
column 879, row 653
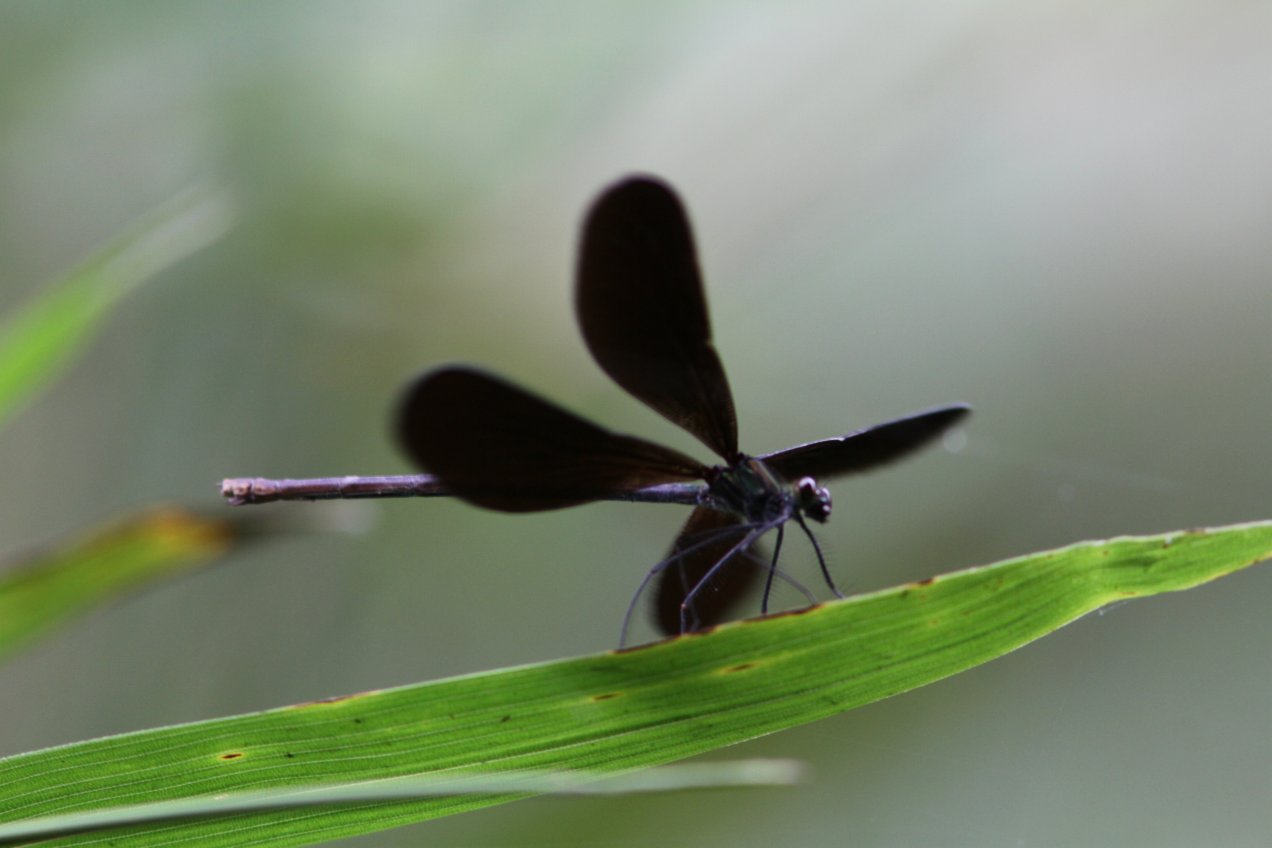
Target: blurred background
column 1056, row 212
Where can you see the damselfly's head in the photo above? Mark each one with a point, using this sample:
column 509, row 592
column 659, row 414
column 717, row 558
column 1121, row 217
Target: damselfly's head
column 812, row 500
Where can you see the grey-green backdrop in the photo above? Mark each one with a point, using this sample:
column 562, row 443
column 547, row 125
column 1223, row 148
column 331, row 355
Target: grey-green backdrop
column 1058, row 212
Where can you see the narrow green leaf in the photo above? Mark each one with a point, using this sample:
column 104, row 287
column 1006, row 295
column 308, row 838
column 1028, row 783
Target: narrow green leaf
column 614, row 711
column 42, row 590
column 41, row 339
column 741, row 773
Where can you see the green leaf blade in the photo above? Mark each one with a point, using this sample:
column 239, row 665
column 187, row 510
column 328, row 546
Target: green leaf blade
column 639, row 707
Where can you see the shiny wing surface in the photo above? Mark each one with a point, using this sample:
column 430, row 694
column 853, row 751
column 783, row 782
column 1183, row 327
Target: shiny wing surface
column 500, row 447
column 866, row 449
column 643, row 314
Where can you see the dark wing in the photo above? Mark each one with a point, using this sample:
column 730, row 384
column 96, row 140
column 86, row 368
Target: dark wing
column 864, row 449
column 500, row 447
column 643, row 314
column 708, row 535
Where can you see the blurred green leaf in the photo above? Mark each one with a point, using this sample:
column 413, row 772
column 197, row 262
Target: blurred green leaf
column 613, row 711
column 40, row 341
column 741, row 773
column 42, row 590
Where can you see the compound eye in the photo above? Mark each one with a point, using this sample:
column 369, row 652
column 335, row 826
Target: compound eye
column 814, row 500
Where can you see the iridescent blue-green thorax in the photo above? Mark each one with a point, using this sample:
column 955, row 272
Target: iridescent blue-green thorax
column 749, row 488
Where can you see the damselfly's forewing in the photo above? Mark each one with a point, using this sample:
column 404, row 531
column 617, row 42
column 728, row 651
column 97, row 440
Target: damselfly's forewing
column 643, row 314
column 864, row 450
column 500, row 447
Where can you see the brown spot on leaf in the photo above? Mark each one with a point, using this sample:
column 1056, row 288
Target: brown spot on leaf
column 785, row 613
column 232, row 755
column 334, row 699
column 607, row 696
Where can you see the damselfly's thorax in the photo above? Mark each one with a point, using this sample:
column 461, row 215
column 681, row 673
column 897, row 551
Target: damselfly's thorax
column 748, row 488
